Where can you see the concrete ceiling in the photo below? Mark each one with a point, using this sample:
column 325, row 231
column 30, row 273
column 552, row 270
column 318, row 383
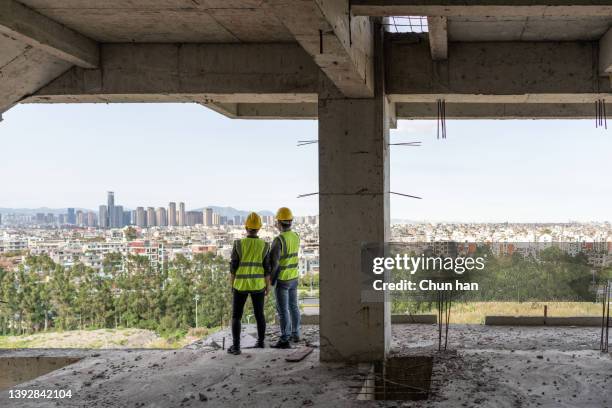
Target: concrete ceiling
column 42, row 39
column 527, row 28
column 166, row 21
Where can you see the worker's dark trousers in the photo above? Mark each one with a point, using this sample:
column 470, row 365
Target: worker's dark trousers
column 238, row 302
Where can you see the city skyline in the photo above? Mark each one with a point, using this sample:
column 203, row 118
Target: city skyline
column 483, row 172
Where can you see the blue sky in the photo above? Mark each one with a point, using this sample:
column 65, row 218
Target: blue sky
column 150, row 154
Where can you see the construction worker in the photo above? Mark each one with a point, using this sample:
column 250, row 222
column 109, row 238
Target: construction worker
column 284, row 265
column 250, row 275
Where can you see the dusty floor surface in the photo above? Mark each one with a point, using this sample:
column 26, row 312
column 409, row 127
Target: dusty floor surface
column 489, row 366
column 485, row 367
column 102, row 338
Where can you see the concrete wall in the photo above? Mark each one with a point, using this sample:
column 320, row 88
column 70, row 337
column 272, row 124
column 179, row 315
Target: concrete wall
column 17, row 370
column 542, row 321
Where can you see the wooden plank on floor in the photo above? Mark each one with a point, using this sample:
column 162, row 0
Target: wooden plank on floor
column 299, row 354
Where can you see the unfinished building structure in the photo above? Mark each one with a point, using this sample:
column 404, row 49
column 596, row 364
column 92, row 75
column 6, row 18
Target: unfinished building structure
column 329, row 60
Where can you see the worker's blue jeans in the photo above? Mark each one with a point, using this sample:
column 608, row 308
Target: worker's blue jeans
column 287, row 308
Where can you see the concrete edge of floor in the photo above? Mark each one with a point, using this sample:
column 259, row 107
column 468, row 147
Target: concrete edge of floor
column 585, row 321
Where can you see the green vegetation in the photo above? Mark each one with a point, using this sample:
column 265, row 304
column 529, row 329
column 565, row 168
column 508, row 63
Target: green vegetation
column 515, row 284
column 126, row 293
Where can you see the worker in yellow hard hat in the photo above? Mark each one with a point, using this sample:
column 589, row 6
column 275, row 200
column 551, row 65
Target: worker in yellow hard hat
column 284, row 266
column 250, row 275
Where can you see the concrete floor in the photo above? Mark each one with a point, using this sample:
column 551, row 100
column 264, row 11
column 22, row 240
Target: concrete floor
column 486, row 367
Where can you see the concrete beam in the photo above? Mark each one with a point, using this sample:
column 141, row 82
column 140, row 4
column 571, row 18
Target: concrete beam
column 428, row 111
column 509, row 72
column 229, row 110
column 339, row 43
column 438, row 37
column 25, row 73
column 36, row 30
column 264, row 110
column 277, row 110
column 223, row 73
column 605, row 54
column 483, row 8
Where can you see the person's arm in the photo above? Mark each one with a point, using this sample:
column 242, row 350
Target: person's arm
column 275, row 254
column 234, row 263
column 267, row 270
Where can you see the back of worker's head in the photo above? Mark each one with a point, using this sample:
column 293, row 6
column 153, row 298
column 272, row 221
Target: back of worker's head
column 284, row 218
column 253, row 223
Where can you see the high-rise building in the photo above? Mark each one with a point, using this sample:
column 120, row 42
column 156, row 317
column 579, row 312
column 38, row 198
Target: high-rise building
column 181, row 214
column 162, row 217
column 71, row 216
column 237, row 220
column 127, row 218
column 216, row 219
column 118, row 217
column 223, row 220
column 103, row 217
column 172, row 214
column 208, row 217
column 91, row 219
column 151, row 219
column 81, row 220
column 141, row 220
column 110, row 206
column 194, row 218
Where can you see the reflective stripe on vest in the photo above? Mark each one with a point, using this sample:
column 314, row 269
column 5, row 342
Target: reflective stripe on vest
column 290, row 243
column 250, row 275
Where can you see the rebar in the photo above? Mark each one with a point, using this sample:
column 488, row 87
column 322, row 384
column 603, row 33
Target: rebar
column 441, row 121
column 601, row 118
column 605, row 318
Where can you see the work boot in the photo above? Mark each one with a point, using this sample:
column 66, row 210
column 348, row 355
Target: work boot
column 295, row 338
column 235, row 350
column 281, row 345
column 260, row 344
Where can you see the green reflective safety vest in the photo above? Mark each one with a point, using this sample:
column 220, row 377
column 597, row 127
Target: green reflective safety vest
column 290, row 246
column 250, row 276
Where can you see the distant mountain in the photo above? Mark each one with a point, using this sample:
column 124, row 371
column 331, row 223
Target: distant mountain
column 32, row 211
column 232, row 212
column 229, row 212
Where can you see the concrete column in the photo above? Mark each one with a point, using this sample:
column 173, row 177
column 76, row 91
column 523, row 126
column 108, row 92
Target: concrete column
column 353, row 209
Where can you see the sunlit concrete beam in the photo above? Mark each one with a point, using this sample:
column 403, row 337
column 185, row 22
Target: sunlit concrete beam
column 339, row 43
column 483, row 8
column 26, row 25
column 605, row 54
column 471, row 111
column 438, row 37
column 507, row 72
column 223, row 73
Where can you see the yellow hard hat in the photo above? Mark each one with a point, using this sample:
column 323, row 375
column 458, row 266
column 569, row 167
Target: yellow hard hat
column 253, row 221
column 284, row 214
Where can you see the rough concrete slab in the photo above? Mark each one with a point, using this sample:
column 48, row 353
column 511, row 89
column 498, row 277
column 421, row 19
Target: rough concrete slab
column 486, row 366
